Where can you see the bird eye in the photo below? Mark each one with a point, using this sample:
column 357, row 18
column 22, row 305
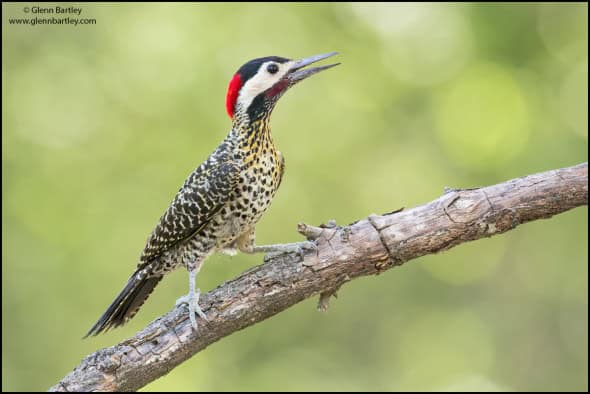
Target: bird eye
column 272, row 68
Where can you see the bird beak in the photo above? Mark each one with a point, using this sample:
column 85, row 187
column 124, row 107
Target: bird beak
column 297, row 73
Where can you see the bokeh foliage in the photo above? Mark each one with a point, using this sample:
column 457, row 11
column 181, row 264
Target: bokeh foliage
column 101, row 124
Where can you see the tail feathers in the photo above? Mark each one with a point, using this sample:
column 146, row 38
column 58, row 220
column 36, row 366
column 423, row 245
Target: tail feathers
column 127, row 303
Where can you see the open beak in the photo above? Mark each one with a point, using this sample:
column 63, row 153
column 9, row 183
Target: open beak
column 297, row 73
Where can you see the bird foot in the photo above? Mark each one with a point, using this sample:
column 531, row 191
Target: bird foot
column 296, row 247
column 192, row 300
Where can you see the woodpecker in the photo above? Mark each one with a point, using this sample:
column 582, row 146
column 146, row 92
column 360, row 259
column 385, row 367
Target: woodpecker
column 220, row 202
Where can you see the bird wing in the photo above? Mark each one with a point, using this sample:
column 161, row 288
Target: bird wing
column 203, row 194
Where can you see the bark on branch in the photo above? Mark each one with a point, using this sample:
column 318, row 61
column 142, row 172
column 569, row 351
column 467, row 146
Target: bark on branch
column 366, row 247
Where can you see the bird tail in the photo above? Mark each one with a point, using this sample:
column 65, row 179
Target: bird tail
column 127, row 303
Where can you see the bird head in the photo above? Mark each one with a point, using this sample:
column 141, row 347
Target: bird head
column 257, row 85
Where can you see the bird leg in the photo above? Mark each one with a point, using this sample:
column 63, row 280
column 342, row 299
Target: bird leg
column 192, row 299
column 246, row 244
column 276, row 249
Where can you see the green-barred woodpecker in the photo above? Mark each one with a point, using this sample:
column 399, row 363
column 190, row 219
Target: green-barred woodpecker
column 219, row 204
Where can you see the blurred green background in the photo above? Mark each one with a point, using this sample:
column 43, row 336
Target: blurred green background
column 102, row 123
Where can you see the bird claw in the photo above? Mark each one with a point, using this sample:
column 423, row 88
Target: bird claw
column 306, row 246
column 192, row 300
column 297, row 247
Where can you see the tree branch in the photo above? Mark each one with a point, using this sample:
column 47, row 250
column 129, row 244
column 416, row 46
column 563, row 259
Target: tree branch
column 366, row 247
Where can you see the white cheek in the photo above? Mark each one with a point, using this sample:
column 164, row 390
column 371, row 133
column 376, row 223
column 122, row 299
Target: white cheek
column 252, row 88
column 255, row 86
column 259, row 83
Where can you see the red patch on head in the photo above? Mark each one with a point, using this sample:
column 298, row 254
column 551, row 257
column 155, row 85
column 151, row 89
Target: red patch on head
column 233, row 91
